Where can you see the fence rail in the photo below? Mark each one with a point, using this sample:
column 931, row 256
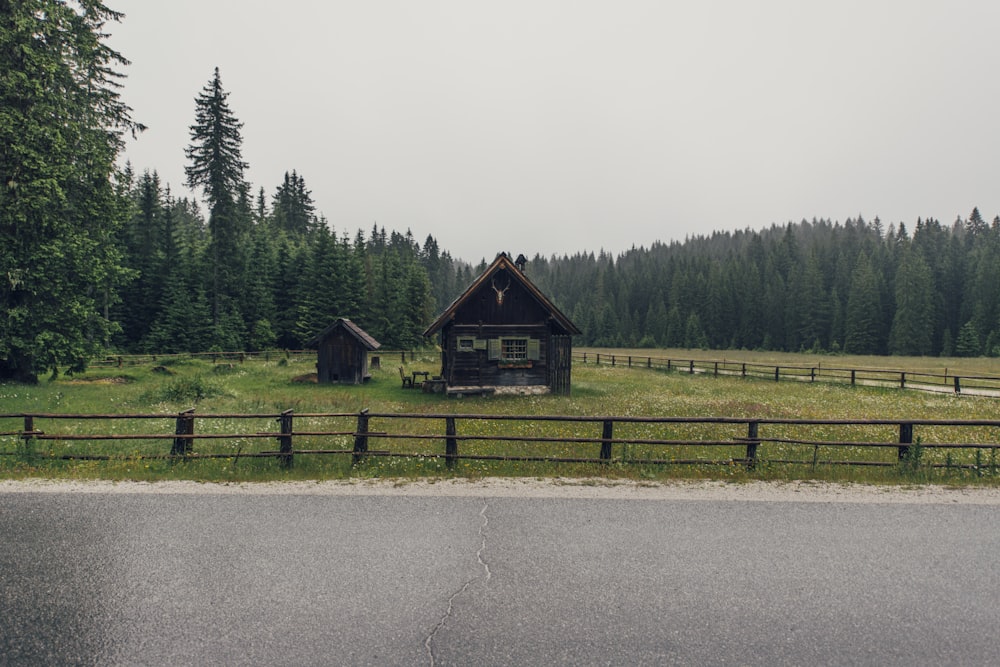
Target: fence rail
column 604, row 440
column 980, row 385
column 125, row 360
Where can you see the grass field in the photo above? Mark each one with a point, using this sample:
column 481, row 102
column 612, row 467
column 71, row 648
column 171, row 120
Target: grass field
column 270, row 387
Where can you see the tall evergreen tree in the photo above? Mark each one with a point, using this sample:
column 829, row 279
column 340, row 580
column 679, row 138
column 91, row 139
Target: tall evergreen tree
column 145, row 252
column 863, row 328
column 61, row 127
column 216, row 166
column 913, row 323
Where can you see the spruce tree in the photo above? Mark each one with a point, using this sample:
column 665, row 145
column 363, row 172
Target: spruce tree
column 864, row 311
column 292, row 208
column 144, row 237
column 912, row 325
column 216, row 166
column 969, row 343
column 61, row 128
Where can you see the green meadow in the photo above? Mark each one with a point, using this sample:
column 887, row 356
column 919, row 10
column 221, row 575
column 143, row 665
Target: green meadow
column 269, row 387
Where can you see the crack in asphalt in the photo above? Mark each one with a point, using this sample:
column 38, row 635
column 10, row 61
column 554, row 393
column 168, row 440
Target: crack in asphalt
column 428, row 643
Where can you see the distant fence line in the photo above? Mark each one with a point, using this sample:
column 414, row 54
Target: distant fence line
column 984, row 385
column 357, row 430
column 947, row 382
column 123, row 360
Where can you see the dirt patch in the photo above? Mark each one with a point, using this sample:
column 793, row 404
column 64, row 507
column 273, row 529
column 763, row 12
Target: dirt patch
column 308, row 378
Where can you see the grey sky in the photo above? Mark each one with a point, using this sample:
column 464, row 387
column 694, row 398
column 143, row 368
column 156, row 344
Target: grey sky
column 556, row 127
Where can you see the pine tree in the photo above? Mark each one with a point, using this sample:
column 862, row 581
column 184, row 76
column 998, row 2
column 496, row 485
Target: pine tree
column 61, row 128
column 216, row 166
column 694, row 335
column 864, row 311
column 969, row 343
column 145, row 253
column 292, row 208
column 318, row 293
column 912, row 326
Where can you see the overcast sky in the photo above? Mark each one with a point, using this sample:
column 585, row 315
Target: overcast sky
column 553, row 127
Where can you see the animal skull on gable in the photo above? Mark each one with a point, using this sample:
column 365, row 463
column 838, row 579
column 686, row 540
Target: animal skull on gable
column 500, row 292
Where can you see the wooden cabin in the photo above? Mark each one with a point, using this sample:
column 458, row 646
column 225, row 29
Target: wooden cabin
column 503, row 335
column 343, row 349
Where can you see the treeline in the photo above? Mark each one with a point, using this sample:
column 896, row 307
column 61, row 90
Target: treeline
column 820, row 286
column 291, row 275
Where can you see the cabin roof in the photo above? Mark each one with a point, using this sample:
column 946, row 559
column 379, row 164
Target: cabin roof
column 502, row 262
column 357, row 332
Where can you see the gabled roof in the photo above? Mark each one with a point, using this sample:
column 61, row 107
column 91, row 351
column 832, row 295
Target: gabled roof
column 360, row 334
column 502, row 262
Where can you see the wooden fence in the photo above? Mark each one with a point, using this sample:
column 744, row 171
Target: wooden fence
column 454, row 437
column 984, row 385
column 125, row 360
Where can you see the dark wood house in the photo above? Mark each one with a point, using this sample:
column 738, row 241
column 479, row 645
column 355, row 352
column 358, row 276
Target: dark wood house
column 343, row 349
column 503, row 334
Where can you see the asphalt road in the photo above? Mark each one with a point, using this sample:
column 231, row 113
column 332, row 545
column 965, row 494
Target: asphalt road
column 223, row 579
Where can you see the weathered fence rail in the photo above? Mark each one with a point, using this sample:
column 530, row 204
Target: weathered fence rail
column 126, row 360
column 453, row 437
column 988, row 385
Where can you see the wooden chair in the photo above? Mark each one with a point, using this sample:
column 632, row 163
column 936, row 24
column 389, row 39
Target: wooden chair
column 407, row 380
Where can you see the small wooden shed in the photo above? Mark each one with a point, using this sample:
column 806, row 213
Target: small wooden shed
column 343, row 349
column 503, row 334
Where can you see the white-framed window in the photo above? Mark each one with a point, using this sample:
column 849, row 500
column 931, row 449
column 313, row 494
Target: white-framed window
column 513, row 349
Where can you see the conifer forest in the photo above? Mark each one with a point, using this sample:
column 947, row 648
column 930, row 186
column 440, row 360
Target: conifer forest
column 98, row 257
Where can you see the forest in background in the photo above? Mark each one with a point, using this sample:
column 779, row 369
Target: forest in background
column 857, row 287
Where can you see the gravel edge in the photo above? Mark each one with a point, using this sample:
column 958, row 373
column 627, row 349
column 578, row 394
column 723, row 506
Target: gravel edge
column 796, row 491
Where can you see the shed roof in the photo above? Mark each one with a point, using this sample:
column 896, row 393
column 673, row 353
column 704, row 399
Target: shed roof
column 357, row 332
column 502, row 262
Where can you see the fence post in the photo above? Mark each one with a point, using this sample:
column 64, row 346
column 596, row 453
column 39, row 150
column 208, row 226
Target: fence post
column 743, row 373
column 630, row 361
column 812, row 374
column 598, row 362
column 668, row 364
column 649, row 362
column 905, row 439
column 612, row 361
column 450, row 442
column 853, row 374
column 958, row 385
column 691, row 367
column 606, row 436
column 902, row 380
column 285, row 440
column 716, row 368
column 361, row 437
column 29, row 432
column 752, row 442
column 777, row 373
column 185, row 427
